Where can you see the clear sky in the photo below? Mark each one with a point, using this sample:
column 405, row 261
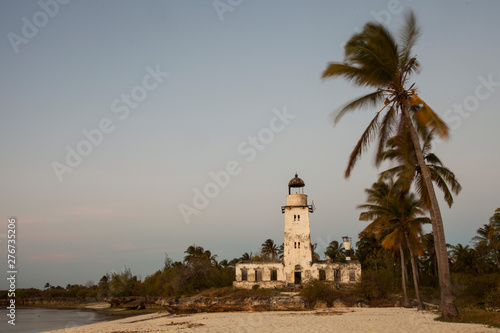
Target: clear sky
column 114, row 114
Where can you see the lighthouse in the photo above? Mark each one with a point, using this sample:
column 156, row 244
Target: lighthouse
column 298, row 266
column 297, row 256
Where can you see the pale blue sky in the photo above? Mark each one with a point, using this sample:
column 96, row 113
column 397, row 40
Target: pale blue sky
column 120, row 205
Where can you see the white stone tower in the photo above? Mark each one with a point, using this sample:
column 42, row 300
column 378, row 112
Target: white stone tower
column 297, row 258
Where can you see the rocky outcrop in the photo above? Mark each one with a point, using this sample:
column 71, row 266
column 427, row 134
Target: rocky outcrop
column 221, row 304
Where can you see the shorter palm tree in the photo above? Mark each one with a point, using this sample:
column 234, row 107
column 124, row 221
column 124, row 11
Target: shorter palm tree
column 269, row 249
column 335, row 251
column 488, row 237
column 400, row 149
column 397, row 221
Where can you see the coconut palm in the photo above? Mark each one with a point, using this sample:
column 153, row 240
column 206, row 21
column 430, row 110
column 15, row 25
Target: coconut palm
column 429, row 260
column 269, row 249
column 315, row 256
column 246, row 256
column 281, row 251
column 335, row 251
column 397, row 221
column 197, row 254
column 400, row 149
column 374, row 59
column 488, row 237
column 369, row 250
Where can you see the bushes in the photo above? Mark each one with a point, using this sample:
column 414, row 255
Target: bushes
column 493, row 297
column 377, row 284
column 475, row 286
column 320, row 291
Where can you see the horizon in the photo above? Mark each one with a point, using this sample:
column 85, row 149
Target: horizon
column 131, row 130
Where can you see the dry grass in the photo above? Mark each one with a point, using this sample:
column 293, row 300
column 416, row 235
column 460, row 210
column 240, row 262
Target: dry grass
column 476, row 316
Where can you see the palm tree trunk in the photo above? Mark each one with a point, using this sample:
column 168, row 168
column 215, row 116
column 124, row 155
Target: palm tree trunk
column 406, row 303
column 447, row 306
column 420, row 305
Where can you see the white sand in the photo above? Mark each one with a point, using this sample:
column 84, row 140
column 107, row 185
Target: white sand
column 360, row 320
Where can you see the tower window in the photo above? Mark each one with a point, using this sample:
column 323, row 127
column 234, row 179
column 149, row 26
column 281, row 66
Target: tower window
column 298, row 217
column 295, row 217
column 299, row 245
column 295, row 244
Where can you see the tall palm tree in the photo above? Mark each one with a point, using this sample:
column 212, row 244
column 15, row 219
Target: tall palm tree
column 269, row 249
column 374, row 59
column 396, row 220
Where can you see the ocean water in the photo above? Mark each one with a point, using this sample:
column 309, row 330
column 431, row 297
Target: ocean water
column 40, row 319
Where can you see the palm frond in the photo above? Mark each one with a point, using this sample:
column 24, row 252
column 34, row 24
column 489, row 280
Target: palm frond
column 372, row 99
column 386, row 129
column 428, row 118
column 362, row 144
column 408, row 36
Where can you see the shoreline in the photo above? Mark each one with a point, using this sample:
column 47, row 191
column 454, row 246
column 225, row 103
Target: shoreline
column 343, row 319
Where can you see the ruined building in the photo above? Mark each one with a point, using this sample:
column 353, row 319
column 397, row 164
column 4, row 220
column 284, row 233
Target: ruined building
column 297, row 266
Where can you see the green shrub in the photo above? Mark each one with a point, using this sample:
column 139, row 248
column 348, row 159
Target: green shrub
column 255, row 286
column 377, row 284
column 320, row 291
column 493, row 297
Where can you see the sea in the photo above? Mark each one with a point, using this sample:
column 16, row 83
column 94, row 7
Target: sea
column 30, row 320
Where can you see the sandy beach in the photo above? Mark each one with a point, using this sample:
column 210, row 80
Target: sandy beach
column 329, row 320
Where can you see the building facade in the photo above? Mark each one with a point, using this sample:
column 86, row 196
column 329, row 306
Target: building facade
column 297, row 266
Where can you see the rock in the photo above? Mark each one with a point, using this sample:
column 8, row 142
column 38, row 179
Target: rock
column 219, row 304
column 136, row 304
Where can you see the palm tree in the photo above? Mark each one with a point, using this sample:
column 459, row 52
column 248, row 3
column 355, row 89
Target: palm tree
column 197, row 254
column 269, row 249
column 396, row 220
column 370, row 252
column 374, row 59
column 401, row 150
column 335, row 251
column 489, row 237
column 315, row 256
column 246, row 256
column 281, row 251
column 429, row 260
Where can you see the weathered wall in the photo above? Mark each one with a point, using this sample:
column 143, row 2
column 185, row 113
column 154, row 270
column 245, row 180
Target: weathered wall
column 265, row 267
column 344, row 270
column 297, row 250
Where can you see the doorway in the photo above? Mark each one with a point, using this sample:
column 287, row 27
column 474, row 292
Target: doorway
column 297, row 277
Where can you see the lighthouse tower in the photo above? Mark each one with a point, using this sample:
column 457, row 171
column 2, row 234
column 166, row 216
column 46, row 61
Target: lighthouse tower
column 297, row 258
